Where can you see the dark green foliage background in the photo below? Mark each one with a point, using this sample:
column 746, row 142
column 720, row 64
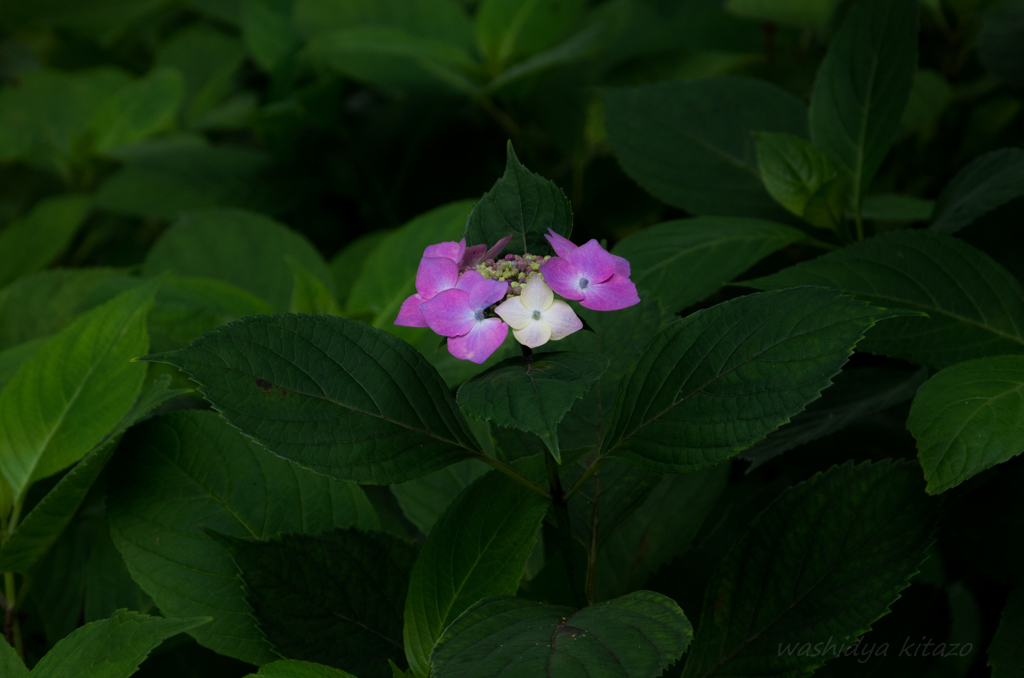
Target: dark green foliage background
column 749, row 470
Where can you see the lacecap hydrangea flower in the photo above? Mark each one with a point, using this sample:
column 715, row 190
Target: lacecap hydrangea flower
column 464, row 294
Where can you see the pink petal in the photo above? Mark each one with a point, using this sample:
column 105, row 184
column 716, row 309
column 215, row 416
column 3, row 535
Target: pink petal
column 621, row 266
column 560, row 245
column 448, row 250
column 561, row 276
column 472, row 256
column 449, row 313
column 436, row 274
column 591, row 262
column 612, row 295
column 561, row 319
column 410, row 314
column 469, row 280
column 480, row 342
column 498, row 247
column 487, row 292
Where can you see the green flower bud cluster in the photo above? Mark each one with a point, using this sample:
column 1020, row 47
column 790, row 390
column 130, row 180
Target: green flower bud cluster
column 516, row 270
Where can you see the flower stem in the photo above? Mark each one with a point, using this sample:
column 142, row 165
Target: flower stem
column 12, row 629
column 513, row 474
column 561, row 511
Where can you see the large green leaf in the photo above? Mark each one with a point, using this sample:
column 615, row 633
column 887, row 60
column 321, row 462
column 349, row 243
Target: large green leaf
column 689, row 143
column 508, row 30
column 424, row 500
column 13, row 358
column 186, row 307
column 334, row 598
column 856, row 394
column 161, row 178
column 523, row 205
column 112, row 648
column 74, row 390
column 802, row 178
column 813, row 15
column 1005, row 655
column 348, row 265
column 11, row 665
column 138, row 110
column 394, row 59
column 607, row 499
column 636, row 636
column 532, row 393
column 44, row 523
column 269, row 32
column 46, row 117
column 820, row 565
column 968, row 418
column 975, row 307
column 478, row 548
column 36, row 239
column 863, row 86
column 208, row 60
column 682, row 262
column 990, row 181
column 293, row 668
column 331, row 394
column 441, row 20
column 38, row 305
column 245, row 249
column 663, row 527
column 109, row 586
column 723, row 378
column 190, row 470
column 309, row 294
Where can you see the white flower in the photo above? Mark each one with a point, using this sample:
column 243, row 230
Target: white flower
column 535, row 316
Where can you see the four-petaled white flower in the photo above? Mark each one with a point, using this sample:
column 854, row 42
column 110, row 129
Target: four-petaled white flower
column 535, row 316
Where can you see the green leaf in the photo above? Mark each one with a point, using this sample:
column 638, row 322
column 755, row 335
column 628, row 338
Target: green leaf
column 108, row 584
column 331, row 394
column 112, row 648
column 863, row 86
column 424, row 500
column 723, row 378
column 41, row 236
column 583, row 45
column 309, row 294
column 992, row 180
column 813, row 15
column 245, row 249
column 74, row 390
column 894, row 207
column 162, row 178
column 855, row 394
column 389, row 273
column 688, row 143
column 186, row 307
column 975, row 307
column 11, row 665
column 521, row 204
column 683, row 262
column 663, row 527
column 394, row 59
column 532, row 393
column 38, row 305
column 820, row 565
column 478, row 548
column 929, row 97
column 292, row 668
column 441, row 20
column 508, row 30
column 47, row 519
column 639, row 634
column 189, row 470
column 606, row 499
column 334, row 598
column 802, row 178
column 968, row 418
column 348, row 265
column 1005, row 655
column 13, row 358
column 47, row 116
column 269, row 32
column 138, row 110
column 208, row 60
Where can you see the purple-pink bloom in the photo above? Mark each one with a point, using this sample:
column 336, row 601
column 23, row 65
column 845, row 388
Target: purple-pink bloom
column 466, row 257
column 458, row 314
column 588, row 274
column 434, row 275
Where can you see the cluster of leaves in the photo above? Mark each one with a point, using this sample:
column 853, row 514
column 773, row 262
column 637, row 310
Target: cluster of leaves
column 798, row 454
